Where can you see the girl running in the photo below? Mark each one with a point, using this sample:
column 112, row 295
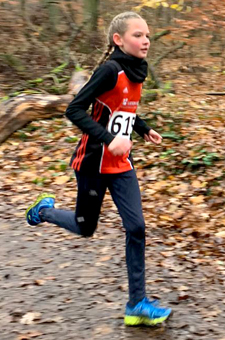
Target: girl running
column 103, row 158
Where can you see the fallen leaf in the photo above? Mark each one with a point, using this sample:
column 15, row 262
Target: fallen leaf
column 220, row 234
column 53, row 278
column 47, row 261
column 62, row 179
column 65, row 265
column 166, row 253
column 39, row 282
column 30, row 318
column 183, row 296
column 183, row 288
column 52, row 320
column 103, row 329
column 197, row 184
column 197, row 199
column 105, row 258
column 29, row 335
column 28, row 151
column 46, row 159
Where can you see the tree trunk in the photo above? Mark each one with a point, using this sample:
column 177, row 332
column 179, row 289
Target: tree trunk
column 54, row 14
column 19, row 111
column 91, row 12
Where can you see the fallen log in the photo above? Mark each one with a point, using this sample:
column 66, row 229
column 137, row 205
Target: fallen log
column 18, row 111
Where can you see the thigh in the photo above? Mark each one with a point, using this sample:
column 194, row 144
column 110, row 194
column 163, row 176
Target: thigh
column 125, row 192
column 91, row 191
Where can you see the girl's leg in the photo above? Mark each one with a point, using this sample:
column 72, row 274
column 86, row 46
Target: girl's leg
column 83, row 221
column 125, row 192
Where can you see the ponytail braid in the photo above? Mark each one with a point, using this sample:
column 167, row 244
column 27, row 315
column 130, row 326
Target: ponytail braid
column 104, row 56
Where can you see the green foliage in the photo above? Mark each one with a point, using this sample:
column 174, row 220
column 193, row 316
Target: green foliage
column 47, row 147
column 168, row 85
column 13, row 62
column 15, row 94
column 59, row 68
column 203, row 159
column 32, row 127
column 78, row 68
column 167, row 153
column 31, row 91
column 36, row 81
column 39, row 181
column 63, row 165
column 52, row 167
column 72, row 139
column 58, row 89
column 149, row 95
column 3, row 99
column 21, row 135
column 172, row 135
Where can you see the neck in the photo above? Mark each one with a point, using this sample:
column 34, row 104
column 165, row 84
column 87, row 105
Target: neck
column 135, row 68
column 121, row 49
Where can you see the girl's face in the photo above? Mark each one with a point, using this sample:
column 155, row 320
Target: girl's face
column 135, row 40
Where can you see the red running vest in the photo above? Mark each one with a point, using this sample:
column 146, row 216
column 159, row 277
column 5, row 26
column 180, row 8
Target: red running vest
column 121, row 104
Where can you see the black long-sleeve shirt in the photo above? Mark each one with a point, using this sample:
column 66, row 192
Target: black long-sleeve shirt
column 104, row 79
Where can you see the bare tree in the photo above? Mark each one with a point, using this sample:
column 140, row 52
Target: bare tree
column 91, row 12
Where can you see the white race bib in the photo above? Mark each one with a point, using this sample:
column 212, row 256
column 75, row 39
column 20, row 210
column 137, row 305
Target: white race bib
column 121, row 123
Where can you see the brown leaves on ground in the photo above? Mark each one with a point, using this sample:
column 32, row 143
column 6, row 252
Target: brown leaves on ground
column 182, row 187
column 181, row 181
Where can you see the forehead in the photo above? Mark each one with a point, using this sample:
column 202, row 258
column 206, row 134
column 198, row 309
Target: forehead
column 136, row 24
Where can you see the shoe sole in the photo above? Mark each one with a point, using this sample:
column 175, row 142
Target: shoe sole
column 141, row 320
column 40, row 197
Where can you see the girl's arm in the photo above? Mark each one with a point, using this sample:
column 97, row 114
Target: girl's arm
column 141, row 127
column 103, row 79
column 146, row 132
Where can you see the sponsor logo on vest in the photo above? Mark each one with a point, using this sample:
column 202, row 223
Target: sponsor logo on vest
column 127, row 103
column 125, row 90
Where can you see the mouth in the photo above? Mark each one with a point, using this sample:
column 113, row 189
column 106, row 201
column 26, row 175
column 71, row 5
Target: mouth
column 145, row 50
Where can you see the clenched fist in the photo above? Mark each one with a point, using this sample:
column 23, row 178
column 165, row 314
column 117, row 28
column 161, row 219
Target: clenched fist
column 120, row 146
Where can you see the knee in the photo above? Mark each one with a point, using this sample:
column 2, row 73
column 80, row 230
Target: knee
column 87, row 229
column 138, row 230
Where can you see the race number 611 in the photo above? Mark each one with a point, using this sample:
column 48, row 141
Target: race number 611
column 121, row 124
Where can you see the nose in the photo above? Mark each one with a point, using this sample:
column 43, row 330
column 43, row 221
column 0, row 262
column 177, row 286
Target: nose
column 146, row 41
column 146, row 44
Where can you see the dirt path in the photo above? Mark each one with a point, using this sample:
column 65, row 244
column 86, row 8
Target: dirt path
column 78, row 286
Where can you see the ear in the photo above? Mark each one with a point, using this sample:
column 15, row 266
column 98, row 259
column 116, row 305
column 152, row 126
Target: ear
column 117, row 39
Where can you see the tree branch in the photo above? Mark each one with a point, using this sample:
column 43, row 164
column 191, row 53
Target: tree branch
column 157, row 61
column 159, row 35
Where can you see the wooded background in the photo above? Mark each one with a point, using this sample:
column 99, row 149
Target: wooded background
column 42, row 41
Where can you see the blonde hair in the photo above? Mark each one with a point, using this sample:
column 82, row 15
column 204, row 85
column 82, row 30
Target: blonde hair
column 118, row 25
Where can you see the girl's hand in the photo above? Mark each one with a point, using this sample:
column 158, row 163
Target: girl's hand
column 119, row 146
column 153, row 137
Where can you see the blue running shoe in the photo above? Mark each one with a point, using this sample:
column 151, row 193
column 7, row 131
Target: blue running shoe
column 145, row 313
column 43, row 201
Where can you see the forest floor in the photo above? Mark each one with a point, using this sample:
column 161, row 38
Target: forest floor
column 57, row 285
